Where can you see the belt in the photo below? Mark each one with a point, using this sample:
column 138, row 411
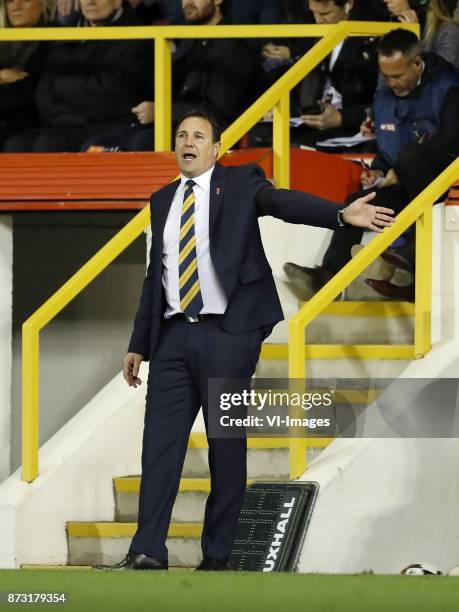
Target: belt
column 197, row 319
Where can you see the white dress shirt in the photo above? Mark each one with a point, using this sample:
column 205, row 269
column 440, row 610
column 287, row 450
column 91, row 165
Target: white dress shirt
column 213, row 295
column 330, row 94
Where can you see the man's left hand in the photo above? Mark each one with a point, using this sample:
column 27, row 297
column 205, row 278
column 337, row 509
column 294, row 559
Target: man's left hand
column 145, row 112
column 328, row 119
column 361, row 213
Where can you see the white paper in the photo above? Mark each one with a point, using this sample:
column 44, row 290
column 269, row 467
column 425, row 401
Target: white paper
column 346, row 141
column 294, row 121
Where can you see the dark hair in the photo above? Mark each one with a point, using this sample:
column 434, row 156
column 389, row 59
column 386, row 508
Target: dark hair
column 216, row 129
column 400, row 40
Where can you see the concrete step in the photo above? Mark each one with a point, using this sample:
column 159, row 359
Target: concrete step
column 267, row 458
column 357, row 323
column 347, row 367
column 92, row 543
column 189, row 505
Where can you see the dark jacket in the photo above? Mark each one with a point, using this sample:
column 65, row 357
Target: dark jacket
column 215, row 75
column 429, row 115
column 89, row 82
column 238, row 196
column 354, row 75
column 17, row 106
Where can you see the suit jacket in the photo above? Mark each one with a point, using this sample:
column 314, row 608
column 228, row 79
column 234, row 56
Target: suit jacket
column 93, row 81
column 238, row 196
column 215, row 75
column 354, row 75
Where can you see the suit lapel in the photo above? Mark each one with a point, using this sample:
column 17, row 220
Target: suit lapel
column 216, row 195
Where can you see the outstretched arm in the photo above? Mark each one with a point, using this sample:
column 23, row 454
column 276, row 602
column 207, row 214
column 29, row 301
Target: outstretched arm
column 299, row 207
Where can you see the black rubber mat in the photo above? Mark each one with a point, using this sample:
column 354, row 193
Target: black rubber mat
column 272, row 526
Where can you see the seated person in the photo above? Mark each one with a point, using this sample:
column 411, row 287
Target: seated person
column 150, row 12
column 213, row 75
column 332, row 100
column 20, row 64
column 87, row 86
column 416, row 124
column 279, row 54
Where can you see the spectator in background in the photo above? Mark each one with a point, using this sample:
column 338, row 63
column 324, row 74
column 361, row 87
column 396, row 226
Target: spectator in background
column 148, row 11
column 213, row 75
column 279, row 55
column 20, row 63
column 439, row 32
column 87, row 86
column 417, row 131
column 332, row 100
column 347, row 81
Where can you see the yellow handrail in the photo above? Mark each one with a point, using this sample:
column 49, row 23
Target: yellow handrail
column 419, row 211
column 275, row 97
column 355, row 28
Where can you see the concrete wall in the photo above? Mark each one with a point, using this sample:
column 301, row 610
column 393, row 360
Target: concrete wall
column 6, row 294
column 77, row 466
column 382, row 505
column 386, row 503
column 81, row 350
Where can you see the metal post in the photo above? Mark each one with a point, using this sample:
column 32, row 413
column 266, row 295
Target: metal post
column 163, row 95
column 281, row 141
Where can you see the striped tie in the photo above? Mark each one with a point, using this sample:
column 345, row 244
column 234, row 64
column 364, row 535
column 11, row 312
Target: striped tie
column 190, row 291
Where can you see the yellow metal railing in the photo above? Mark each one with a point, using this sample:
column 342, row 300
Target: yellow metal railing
column 276, row 98
column 419, row 211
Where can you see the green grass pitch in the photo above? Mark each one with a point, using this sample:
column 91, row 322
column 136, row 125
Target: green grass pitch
column 233, row 592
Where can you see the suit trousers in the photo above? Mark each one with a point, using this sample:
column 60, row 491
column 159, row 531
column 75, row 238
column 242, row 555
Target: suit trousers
column 187, row 355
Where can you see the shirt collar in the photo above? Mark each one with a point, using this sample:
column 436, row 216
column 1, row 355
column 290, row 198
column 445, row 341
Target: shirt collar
column 202, row 181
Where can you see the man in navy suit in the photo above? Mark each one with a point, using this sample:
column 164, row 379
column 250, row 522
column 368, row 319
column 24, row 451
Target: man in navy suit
column 207, row 303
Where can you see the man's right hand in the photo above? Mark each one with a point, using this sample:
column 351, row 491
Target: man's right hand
column 369, row 177
column 145, row 112
column 11, row 75
column 131, row 365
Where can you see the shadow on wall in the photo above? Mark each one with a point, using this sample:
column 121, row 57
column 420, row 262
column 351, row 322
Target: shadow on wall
column 82, row 348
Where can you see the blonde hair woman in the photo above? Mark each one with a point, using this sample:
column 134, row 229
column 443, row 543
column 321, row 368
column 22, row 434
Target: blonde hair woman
column 440, row 33
column 26, row 13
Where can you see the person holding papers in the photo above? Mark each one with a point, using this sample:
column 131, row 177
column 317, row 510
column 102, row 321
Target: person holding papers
column 416, row 123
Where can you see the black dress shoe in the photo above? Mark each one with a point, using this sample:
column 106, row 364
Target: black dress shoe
column 306, row 282
column 391, row 291
column 212, row 565
column 136, row 561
